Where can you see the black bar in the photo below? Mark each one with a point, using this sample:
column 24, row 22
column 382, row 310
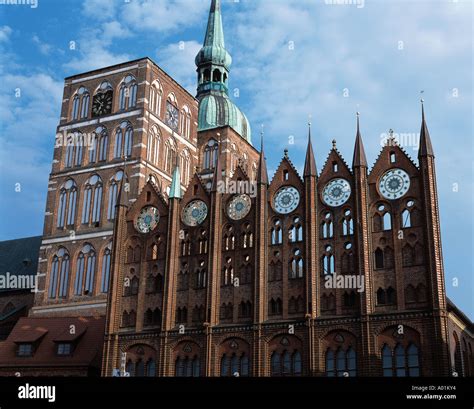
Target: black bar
column 240, row 393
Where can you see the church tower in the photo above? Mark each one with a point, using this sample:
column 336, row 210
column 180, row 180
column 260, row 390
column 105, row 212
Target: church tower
column 213, row 67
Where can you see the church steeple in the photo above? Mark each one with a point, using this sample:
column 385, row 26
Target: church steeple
column 213, row 66
column 426, row 149
column 359, row 158
column 310, row 163
column 262, row 175
column 213, row 60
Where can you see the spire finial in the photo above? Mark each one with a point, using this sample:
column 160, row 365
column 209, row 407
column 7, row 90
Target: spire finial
column 286, row 153
column 309, row 163
column 334, row 144
column 426, row 148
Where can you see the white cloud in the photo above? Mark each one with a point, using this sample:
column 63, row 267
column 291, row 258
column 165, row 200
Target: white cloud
column 5, row 32
column 27, row 134
column 43, row 47
column 99, row 9
column 178, row 61
column 163, row 15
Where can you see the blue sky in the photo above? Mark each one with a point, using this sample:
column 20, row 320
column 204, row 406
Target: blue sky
column 292, row 58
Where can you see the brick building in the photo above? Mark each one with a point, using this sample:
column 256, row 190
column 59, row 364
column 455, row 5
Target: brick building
column 161, row 220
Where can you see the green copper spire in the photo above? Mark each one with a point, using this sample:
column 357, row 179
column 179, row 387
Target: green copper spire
column 213, row 50
column 175, row 189
column 213, row 66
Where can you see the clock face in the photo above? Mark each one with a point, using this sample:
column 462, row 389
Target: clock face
column 172, row 116
column 239, row 207
column 102, row 104
column 336, row 192
column 394, row 184
column 286, row 200
column 194, row 213
column 147, row 220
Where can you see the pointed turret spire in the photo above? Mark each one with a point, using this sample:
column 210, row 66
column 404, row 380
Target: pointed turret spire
column 262, row 175
column 359, row 158
column 426, row 149
column 310, row 163
column 215, row 32
column 175, row 189
column 213, row 60
column 213, row 68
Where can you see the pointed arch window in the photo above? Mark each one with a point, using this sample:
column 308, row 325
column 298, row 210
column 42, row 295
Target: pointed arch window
column 210, row 154
column 99, row 145
column 327, row 226
column 67, row 204
column 74, row 150
column 185, row 125
column 342, row 362
column 85, row 271
column 296, row 265
column 80, row 104
column 379, row 258
column 275, row 271
column 92, row 200
column 106, row 264
column 328, row 261
column 156, row 95
column 229, row 238
column 153, row 147
column 228, row 273
column 286, row 363
column 276, row 233
column 123, row 141
column 347, row 223
column 85, row 105
column 59, row 277
column 183, row 278
column 295, row 232
column 128, row 93
column 275, row 306
column 113, row 194
column 187, row 366
column 75, row 107
column 247, row 236
column 382, row 219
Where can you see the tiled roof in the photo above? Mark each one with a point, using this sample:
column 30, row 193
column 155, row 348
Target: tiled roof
column 47, row 332
column 20, row 256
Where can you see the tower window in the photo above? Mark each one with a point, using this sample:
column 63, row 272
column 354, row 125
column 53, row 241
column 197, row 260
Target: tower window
column 216, row 77
column 393, row 158
column 379, row 258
